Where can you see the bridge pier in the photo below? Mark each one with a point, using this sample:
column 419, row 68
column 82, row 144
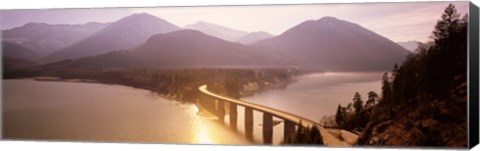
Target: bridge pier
column 288, row 130
column 290, row 121
column 249, row 122
column 221, row 110
column 233, row 116
column 267, row 128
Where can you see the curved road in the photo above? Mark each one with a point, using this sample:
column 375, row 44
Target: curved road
column 327, row 134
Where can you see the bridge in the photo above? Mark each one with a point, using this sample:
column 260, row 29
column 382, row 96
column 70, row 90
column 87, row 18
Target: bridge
column 291, row 121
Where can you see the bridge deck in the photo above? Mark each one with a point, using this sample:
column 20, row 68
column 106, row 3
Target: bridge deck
column 328, row 138
column 277, row 113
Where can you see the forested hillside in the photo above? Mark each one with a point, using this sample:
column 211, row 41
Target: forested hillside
column 423, row 100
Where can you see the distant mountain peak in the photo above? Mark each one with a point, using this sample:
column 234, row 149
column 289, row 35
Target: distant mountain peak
column 334, row 44
column 42, row 25
column 139, row 17
column 323, row 20
column 210, row 25
column 409, row 45
column 254, row 37
column 203, row 22
column 333, row 20
column 182, row 49
column 328, row 18
column 33, row 24
column 146, row 15
column 187, row 31
column 218, row 31
column 125, row 33
column 94, row 23
column 190, row 33
column 45, row 38
column 200, row 22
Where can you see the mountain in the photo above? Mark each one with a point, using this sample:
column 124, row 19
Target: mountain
column 218, row 31
column 45, row 38
column 15, row 56
column 179, row 49
column 125, row 33
column 332, row 44
column 15, row 50
column 12, row 18
column 409, row 45
column 254, row 37
column 10, row 63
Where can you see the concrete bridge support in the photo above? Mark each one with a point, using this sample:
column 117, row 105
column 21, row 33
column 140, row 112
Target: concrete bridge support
column 267, row 128
column 221, row 110
column 249, row 122
column 291, row 121
column 288, row 130
column 233, row 116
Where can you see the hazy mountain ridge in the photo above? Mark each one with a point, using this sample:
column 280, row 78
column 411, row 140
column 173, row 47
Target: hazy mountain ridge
column 218, row 31
column 16, row 56
column 125, row 33
column 145, row 40
column 45, row 39
column 409, row 45
column 180, row 49
column 333, row 44
column 10, row 63
column 15, row 50
column 254, row 37
column 18, row 17
column 229, row 34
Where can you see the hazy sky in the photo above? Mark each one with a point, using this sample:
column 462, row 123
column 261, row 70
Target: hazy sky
column 396, row 21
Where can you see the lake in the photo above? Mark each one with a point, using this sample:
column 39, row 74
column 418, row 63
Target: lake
column 71, row 111
column 311, row 96
column 315, row 95
column 43, row 110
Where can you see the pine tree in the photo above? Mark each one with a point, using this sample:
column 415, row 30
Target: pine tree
column 449, row 22
column 357, row 103
column 446, row 59
column 372, row 99
column 339, row 116
column 386, row 88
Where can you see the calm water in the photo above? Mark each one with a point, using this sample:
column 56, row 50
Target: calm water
column 98, row 112
column 312, row 96
column 316, row 95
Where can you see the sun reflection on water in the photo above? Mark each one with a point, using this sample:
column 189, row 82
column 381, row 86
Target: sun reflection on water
column 201, row 129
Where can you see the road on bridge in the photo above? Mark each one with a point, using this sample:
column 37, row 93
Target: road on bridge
column 331, row 137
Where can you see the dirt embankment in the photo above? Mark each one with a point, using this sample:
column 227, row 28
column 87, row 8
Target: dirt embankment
column 434, row 124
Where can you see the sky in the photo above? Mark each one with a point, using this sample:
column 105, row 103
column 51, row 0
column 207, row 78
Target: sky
column 396, row 21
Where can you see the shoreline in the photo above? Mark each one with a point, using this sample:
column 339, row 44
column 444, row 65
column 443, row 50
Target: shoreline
column 58, row 79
